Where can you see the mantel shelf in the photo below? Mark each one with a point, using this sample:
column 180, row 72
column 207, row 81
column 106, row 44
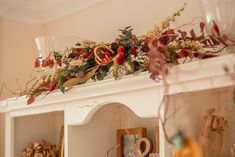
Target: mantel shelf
column 194, row 76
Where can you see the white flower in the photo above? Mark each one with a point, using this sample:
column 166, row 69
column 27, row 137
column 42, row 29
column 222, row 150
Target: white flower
column 141, row 58
column 75, row 63
column 173, row 44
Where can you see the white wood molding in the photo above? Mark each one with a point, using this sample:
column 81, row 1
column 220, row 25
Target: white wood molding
column 195, row 76
column 139, row 93
column 9, row 135
column 143, row 103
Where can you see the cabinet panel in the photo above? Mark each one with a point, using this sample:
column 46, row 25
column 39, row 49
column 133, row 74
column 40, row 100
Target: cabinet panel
column 97, row 136
column 187, row 112
column 29, row 129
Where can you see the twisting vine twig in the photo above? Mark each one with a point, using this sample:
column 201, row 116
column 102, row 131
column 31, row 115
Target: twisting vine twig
column 164, row 103
column 26, row 86
column 190, row 23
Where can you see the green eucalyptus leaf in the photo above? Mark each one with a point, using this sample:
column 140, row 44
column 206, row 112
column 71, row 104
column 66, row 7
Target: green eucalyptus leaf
column 61, row 87
column 78, row 44
column 125, row 42
column 128, row 34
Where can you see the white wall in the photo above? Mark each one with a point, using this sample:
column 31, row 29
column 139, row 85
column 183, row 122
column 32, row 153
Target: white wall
column 17, row 53
column 101, row 22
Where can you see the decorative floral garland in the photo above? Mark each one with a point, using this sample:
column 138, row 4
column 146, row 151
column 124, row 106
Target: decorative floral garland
column 128, row 54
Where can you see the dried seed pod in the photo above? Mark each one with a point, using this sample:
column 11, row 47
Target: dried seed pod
column 42, row 149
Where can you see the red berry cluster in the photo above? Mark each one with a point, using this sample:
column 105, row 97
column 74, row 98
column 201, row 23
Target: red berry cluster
column 44, row 63
column 107, row 58
column 81, row 53
column 122, row 55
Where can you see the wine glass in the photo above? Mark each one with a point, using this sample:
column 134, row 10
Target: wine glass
column 223, row 13
column 47, row 44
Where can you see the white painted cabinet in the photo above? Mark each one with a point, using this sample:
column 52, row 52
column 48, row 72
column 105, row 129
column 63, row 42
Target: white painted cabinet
column 92, row 112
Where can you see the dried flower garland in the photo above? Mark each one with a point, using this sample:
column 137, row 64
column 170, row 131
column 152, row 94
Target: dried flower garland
column 128, row 54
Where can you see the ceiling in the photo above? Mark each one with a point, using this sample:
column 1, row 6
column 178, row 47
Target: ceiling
column 41, row 11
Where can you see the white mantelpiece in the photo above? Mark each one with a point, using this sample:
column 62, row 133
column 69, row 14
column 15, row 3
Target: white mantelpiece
column 139, row 93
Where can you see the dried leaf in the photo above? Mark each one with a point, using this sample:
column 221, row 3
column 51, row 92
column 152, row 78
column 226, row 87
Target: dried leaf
column 167, row 36
column 75, row 81
column 193, row 35
column 202, row 27
column 225, row 37
column 183, row 53
column 215, row 30
column 222, row 41
column 158, row 57
column 214, row 41
column 183, row 34
column 37, row 63
column 53, row 87
column 31, row 100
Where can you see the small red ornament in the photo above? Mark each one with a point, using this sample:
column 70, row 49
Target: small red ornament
column 183, row 53
column 121, row 58
column 134, row 52
column 107, row 58
column 121, row 49
column 72, row 55
column 78, row 49
column 45, row 63
column 86, row 54
column 51, row 63
column 37, row 63
column 30, row 100
column 53, row 87
column 59, row 62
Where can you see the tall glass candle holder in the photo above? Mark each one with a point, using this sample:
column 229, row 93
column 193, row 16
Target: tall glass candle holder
column 223, row 13
column 47, row 44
